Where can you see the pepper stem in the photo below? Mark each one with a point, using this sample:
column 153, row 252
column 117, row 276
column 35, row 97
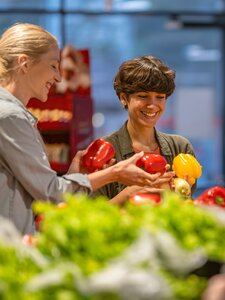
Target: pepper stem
column 219, row 200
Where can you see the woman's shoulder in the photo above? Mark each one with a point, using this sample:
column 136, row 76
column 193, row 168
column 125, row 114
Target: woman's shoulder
column 9, row 105
column 177, row 138
column 11, row 113
column 112, row 139
column 179, row 142
column 172, row 137
column 9, row 109
column 115, row 136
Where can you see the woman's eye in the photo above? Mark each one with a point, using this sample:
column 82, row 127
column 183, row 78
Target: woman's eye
column 142, row 96
column 55, row 66
column 151, row 97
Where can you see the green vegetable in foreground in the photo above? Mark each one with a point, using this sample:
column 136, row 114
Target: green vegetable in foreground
column 93, row 250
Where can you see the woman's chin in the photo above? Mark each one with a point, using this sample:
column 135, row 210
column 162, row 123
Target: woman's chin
column 43, row 98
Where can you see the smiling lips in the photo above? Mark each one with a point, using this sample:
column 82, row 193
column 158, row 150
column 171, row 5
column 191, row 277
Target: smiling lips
column 48, row 85
column 148, row 114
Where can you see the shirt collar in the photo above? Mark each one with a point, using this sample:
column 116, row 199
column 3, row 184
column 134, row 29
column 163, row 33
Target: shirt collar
column 163, row 144
column 126, row 143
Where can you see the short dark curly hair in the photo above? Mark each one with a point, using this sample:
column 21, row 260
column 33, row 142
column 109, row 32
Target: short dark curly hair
column 146, row 73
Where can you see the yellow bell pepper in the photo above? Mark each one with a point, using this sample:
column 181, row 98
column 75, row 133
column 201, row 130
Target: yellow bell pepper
column 187, row 164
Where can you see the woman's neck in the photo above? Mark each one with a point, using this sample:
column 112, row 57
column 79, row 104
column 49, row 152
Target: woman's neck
column 19, row 93
column 143, row 139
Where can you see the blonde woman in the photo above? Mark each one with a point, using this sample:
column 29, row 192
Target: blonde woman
column 29, row 66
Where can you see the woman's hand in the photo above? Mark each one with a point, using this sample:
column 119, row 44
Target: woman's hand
column 143, row 189
column 128, row 173
column 215, row 289
column 76, row 166
column 109, row 164
column 167, row 180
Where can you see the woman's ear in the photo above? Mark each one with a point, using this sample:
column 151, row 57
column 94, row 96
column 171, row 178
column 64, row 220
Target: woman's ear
column 23, row 62
column 123, row 99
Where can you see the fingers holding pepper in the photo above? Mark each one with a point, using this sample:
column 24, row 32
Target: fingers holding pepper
column 128, row 173
column 76, row 165
column 156, row 164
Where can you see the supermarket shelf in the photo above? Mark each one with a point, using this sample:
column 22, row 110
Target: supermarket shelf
column 55, row 125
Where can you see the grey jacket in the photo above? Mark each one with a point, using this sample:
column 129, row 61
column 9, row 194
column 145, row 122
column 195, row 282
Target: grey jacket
column 25, row 172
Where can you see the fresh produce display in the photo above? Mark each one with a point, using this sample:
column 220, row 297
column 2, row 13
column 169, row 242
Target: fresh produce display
column 98, row 153
column 38, row 220
column 16, row 268
column 212, row 196
column 92, row 250
column 187, row 164
column 152, row 163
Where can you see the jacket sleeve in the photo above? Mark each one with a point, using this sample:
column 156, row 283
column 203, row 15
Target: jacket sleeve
column 23, row 155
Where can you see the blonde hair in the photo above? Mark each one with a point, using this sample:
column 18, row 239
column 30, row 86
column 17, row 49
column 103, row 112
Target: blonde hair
column 25, row 38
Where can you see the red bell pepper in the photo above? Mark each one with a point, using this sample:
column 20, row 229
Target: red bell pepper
column 98, row 153
column 212, row 196
column 143, row 198
column 152, row 163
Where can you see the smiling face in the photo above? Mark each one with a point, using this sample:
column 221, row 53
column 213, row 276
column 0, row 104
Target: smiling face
column 43, row 74
column 144, row 108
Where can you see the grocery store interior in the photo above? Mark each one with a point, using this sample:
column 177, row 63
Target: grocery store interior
column 188, row 35
column 57, row 240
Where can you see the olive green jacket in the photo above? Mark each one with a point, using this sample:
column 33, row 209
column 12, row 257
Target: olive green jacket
column 170, row 145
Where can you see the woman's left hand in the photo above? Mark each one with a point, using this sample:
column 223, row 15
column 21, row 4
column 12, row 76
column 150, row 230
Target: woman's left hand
column 165, row 180
column 76, row 166
column 109, row 164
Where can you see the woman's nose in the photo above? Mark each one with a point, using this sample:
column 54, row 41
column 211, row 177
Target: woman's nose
column 150, row 103
column 58, row 76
